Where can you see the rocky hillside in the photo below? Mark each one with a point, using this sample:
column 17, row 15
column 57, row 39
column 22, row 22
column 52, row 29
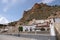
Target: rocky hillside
column 38, row 11
column 12, row 23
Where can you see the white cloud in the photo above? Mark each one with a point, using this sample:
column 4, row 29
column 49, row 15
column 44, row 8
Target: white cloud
column 47, row 1
column 23, row 1
column 4, row 1
column 5, row 9
column 10, row 3
column 3, row 20
column 14, row 1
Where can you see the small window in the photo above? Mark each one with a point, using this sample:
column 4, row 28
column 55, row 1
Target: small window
column 42, row 29
column 30, row 29
column 26, row 29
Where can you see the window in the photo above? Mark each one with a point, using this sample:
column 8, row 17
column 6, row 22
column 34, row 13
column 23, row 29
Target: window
column 42, row 29
column 26, row 29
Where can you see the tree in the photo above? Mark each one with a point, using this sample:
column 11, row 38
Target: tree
column 20, row 28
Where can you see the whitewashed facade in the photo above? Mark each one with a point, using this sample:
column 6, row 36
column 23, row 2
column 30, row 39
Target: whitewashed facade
column 29, row 28
column 36, row 25
column 41, row 25
column 57, row 20
column 52, row 28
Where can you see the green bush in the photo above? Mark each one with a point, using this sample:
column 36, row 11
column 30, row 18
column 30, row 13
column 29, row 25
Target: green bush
column 20, row 29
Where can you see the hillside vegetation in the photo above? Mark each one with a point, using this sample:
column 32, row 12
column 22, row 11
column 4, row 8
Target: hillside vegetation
column 38, row 11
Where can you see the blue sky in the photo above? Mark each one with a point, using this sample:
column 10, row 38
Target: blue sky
column 12, row 10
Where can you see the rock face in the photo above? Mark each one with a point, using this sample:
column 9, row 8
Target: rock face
column 38, row 11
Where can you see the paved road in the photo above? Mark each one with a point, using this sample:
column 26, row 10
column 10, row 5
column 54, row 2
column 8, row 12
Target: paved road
column 38, row 37
column 7, row 37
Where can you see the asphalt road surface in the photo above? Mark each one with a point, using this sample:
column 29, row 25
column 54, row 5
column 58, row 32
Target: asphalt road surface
column 8, row 37
column 36, row 37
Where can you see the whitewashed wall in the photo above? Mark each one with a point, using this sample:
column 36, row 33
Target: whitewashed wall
column 28, row 27
column 52, row 29
column 57, row 20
